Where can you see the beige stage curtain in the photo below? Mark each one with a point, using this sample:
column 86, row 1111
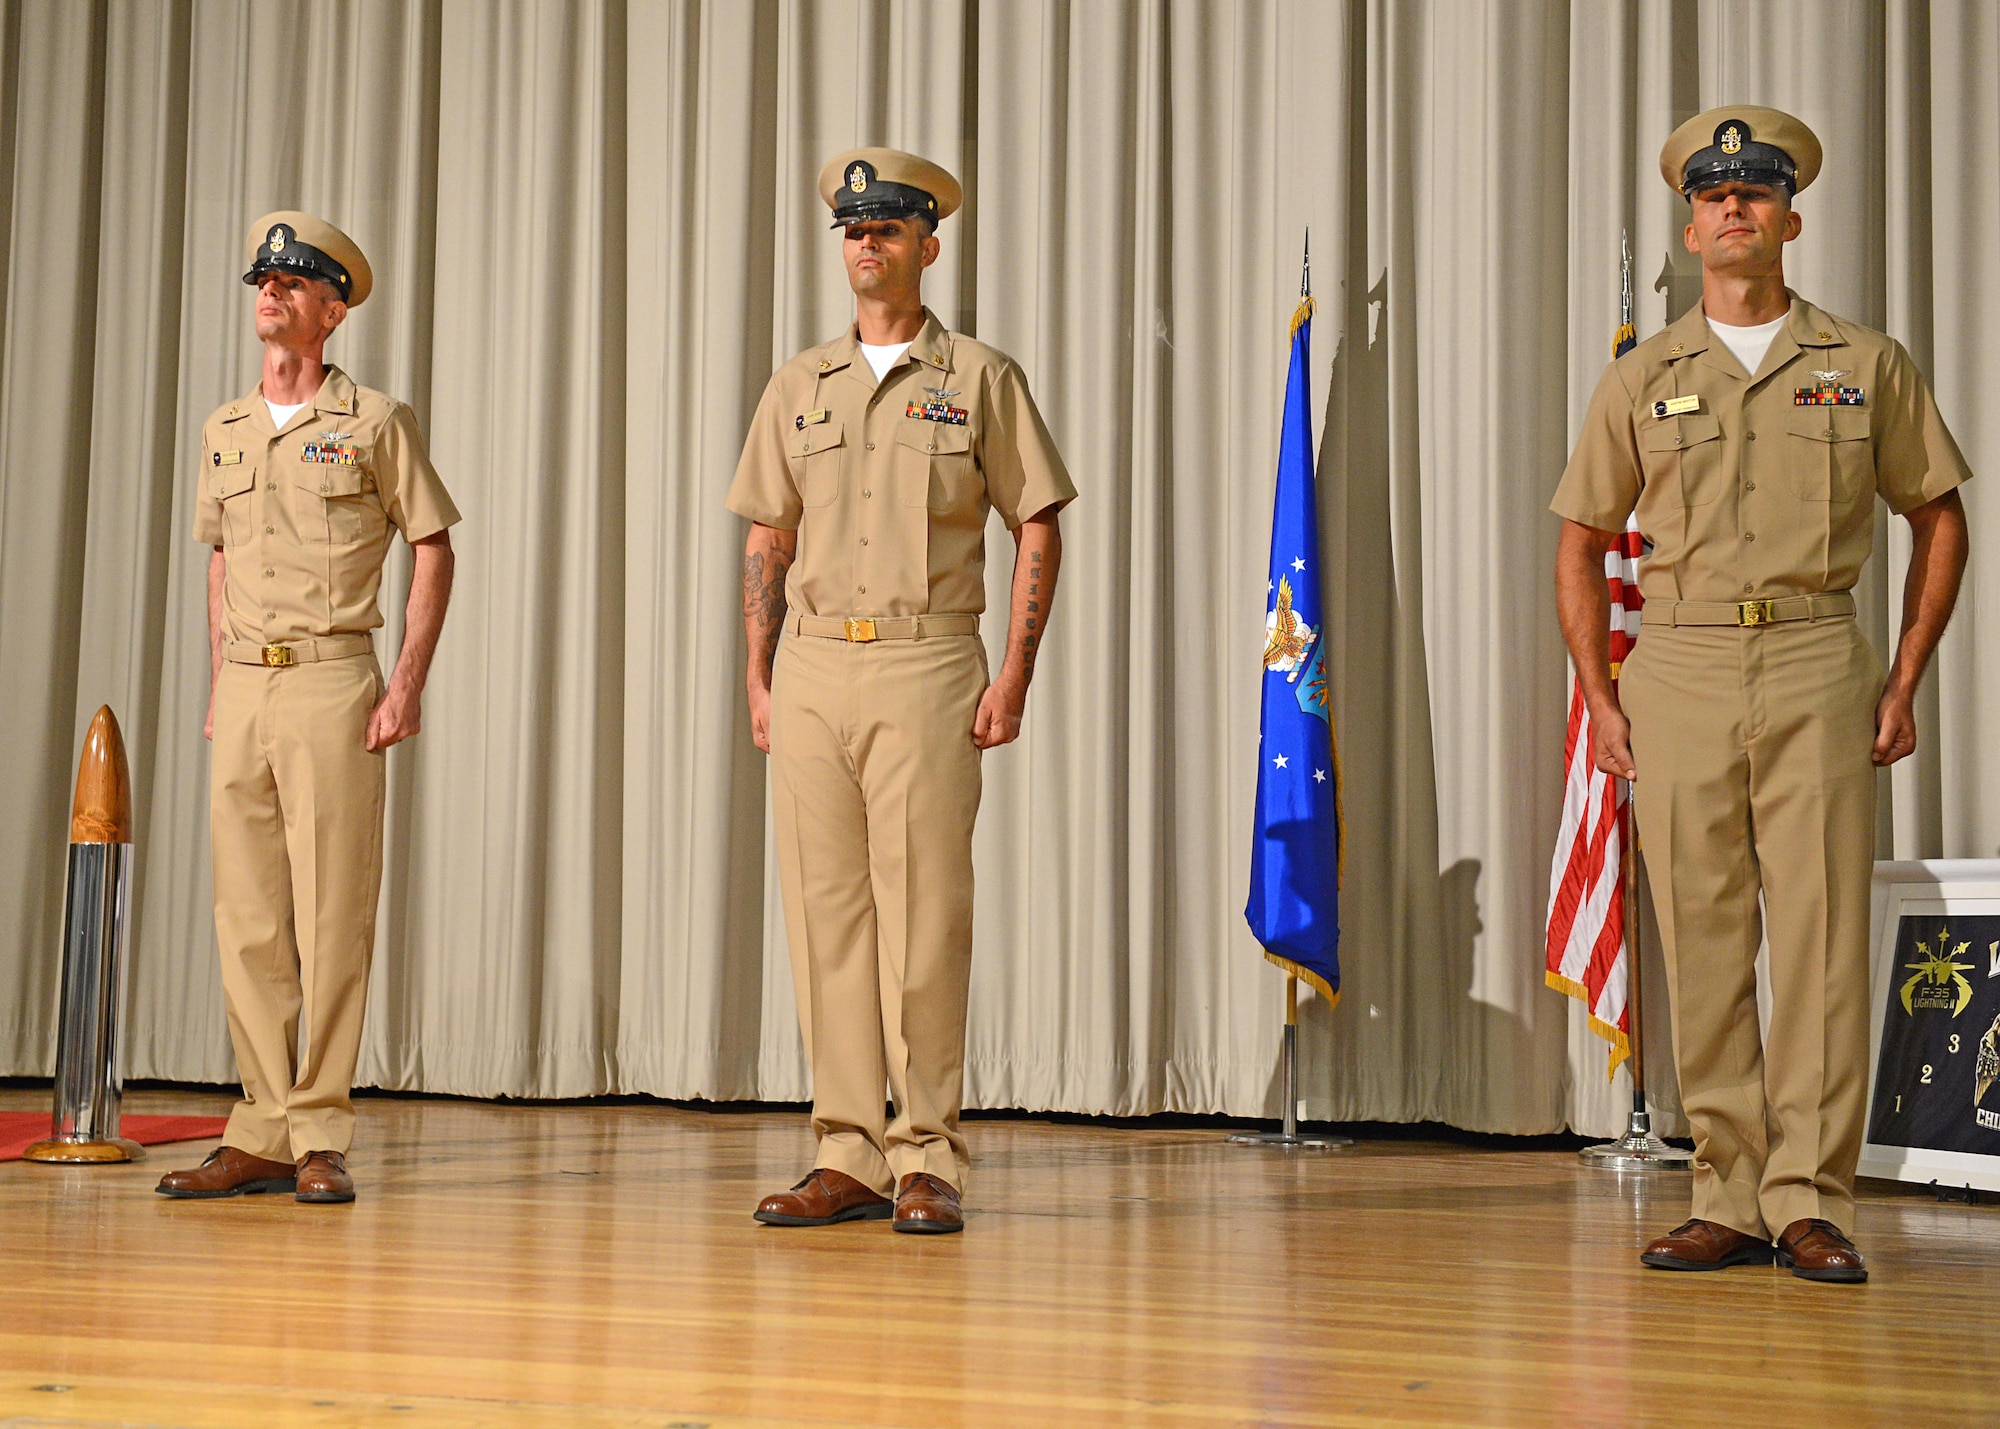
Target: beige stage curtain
column 595, row 233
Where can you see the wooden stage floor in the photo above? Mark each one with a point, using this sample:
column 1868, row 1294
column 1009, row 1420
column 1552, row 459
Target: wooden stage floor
column 515, row 1266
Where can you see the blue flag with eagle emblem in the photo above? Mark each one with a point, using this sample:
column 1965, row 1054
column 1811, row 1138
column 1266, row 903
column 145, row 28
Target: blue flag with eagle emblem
column 1294, row 908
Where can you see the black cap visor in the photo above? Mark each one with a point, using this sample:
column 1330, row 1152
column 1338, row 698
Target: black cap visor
column 1752, row 164
column 884, row 200
column 303, row 259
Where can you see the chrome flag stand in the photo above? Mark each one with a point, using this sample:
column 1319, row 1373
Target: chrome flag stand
column 1638, row 1149
column 1289, row 1139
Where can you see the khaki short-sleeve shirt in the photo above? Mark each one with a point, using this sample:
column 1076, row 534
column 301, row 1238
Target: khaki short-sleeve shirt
column 1753, row 486
column 303, row 515
column 888, row 484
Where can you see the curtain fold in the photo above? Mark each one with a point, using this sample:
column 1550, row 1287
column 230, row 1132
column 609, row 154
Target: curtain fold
column 596, row 231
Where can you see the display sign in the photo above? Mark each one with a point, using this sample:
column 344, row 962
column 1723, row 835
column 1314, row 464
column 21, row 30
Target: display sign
column 1934, row 1102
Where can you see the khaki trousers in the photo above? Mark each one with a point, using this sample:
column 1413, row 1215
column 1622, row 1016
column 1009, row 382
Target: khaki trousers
column 295, row 814
column 875, row 786
column 1752, row 746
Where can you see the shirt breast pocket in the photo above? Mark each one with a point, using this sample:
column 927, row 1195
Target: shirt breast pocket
column 337, row 505
column 1828, row 455
column 1684, row 454
column 232, row 486
column 937, row 469
column 815, row 460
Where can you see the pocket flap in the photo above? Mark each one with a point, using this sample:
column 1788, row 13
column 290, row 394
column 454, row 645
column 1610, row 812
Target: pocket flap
column 333, row 479
column 1679, row 433
column 233, row 480
column 1829, row 424
column 823, row 437
column 934, row 438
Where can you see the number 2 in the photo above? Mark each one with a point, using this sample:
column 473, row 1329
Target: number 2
column 1926, row 1078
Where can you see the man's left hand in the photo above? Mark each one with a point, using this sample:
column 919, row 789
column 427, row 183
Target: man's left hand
column 399, row 716
column 999, row 719
column 1895, row 727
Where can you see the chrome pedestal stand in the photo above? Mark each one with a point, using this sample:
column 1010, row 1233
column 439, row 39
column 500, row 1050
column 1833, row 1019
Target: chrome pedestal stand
column 1638, row 1149
column 1289, row 1139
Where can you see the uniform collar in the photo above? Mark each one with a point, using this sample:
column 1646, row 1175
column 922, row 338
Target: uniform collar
column 1805, row 326
column 931, row 347
column 335, row 398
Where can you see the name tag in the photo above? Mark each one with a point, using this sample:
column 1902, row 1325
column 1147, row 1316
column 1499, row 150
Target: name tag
column 812, row 419
column 1677, row 406
column 227, row 458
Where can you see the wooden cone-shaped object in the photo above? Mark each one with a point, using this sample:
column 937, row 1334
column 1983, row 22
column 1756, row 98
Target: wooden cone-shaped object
column 88, row 1085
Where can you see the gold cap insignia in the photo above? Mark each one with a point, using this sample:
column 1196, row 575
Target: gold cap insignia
column 1732, row 140
column 857, row 179
column 277, row 240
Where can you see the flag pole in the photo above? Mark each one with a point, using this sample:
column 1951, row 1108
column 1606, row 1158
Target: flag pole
column 1288, row 1138
column 1638, row 1149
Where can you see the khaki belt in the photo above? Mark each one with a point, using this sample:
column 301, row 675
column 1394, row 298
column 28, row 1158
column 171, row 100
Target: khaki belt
column 1749, row 612
column 299, row 652
column 862, row 628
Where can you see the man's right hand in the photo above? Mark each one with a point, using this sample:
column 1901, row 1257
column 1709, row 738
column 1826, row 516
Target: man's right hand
column 760, row 717
column 1611, row 742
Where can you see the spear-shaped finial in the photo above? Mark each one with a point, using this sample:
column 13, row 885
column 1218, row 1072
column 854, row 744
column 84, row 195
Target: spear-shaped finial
column 1306, row 268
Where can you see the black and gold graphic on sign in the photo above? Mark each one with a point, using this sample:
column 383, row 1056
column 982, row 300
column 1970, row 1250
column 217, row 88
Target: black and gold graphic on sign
column 1935, row 1085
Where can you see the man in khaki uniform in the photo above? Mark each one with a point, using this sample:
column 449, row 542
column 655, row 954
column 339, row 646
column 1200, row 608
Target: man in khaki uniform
column 302, row 481
column 867, row 476
column 1753, row 436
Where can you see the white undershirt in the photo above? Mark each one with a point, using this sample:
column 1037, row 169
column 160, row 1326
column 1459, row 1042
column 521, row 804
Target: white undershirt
column 282, row 415
column 884, row 358
column 1748, row 343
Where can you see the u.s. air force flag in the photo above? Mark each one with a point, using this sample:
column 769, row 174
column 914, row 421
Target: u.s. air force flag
column 1294, row 908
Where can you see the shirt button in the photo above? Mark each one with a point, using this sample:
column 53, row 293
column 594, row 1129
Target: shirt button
column 1749, row 486
column 1747, row 587
column 931, row 448
column 270, row 530
column 864, row 540
column 269, row 572
column 271, row 486
column 1749, row 535
column 866, row 493
column 871, row 446
column 1677, row 441
column 1750, row 436
column 861, row 589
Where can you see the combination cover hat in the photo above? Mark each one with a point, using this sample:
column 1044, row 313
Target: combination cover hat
column 866, row 184
column 1740, row 144
column 291, row 242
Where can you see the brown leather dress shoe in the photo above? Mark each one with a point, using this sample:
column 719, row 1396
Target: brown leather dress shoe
column 926, row 1205
column 1816, row 1250
column 323, row 1179
column 825, row 1198
column 227, row 1172
column 1705, row 1245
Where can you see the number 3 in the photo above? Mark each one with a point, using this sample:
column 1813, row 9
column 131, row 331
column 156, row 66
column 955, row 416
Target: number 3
column 1926, row 1078
column 1953, row 1047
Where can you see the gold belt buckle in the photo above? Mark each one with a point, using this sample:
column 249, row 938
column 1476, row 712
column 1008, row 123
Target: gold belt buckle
column 861, row 630
column 1756, row 612
column 277, row 655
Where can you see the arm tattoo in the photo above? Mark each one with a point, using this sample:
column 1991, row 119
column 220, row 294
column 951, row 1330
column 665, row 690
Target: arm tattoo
column 764, row 603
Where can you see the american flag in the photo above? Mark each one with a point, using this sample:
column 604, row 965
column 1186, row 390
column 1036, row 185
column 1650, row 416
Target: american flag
column 1586, row 934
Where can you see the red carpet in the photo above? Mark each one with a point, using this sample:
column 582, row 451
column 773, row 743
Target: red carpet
column 21, row 1129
